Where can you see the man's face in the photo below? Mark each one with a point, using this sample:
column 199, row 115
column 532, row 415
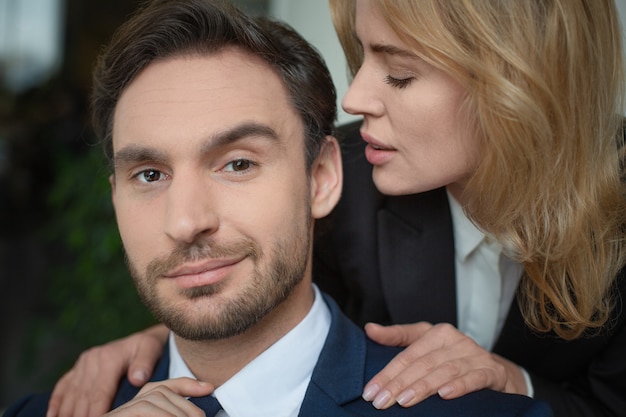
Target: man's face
column 211, row 192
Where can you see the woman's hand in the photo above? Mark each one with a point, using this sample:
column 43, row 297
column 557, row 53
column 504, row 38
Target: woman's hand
column 166, row 399
column 439, row 359
column 88, row 389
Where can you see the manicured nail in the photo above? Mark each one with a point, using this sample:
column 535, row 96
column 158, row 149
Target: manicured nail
column 406, row 397
column 382, row 399
column 445, row 391
column 370, row 392
column 140, row 376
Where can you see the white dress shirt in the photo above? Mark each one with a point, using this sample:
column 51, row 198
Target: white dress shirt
column 275, row 382
column 486, row 281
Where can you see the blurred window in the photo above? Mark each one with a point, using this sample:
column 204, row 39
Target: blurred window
column 31, row 42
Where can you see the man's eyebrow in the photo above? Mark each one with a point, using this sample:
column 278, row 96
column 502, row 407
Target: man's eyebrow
column 239, row 132
column 136, row 153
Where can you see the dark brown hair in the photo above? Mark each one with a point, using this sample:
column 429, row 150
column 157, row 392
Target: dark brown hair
column 165, row 28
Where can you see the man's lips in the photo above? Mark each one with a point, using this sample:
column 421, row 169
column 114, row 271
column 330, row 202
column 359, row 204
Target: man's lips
column 204, row 266
column 203, row 273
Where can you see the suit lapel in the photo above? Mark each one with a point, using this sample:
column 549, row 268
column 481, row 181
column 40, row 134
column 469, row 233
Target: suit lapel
column 338, row 377
column 127, row 391
column 416, row 251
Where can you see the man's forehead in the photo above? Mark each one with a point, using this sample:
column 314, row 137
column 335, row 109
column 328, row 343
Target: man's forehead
column 206, row 91
column 230, row 70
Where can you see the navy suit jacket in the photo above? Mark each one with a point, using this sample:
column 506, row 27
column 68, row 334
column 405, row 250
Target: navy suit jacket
column 347, row 361
column 390, row 260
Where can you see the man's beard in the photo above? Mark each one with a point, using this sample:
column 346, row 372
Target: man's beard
column 268, row 287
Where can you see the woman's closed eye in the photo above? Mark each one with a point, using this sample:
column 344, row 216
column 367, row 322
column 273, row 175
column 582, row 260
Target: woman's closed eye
column 398, row 82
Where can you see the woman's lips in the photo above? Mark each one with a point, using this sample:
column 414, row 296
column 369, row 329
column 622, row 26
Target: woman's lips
column 375, row 152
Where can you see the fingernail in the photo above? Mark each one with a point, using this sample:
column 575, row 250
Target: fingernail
column 370, row 392
column 382, row 399
column 445, row 391
column 406, row 397
column 140, row 376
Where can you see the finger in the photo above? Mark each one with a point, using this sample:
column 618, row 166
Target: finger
column 88, row 389
column 473, row 381
column 139, row 373
column 146, row 352
column 429, row 338
column 159, row 400
column 515, row 379
column 397, row 335
column 100, row 381
column 452, row 379
column 59, row 392
column 459, row 377
column 410, row 381
column 186, row 387
column 72, row 404
column 455, row 370
column 167, row 398
column 98, row 402
column 403, row 377
column 145, row 407
column 75, row 401
column 380, row 388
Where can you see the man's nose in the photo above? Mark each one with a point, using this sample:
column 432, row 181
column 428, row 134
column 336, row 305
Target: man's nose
column 190, row 211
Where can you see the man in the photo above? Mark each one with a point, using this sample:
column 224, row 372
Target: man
column 219, row 127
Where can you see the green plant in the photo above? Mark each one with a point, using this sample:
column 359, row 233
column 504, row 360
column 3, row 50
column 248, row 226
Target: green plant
column 90, row 294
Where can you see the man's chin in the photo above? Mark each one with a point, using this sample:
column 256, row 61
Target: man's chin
column 203, row 332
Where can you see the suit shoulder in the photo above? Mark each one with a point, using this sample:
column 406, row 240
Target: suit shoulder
column 33, row 405
column 501, row 404
column 377, row 357
column 481, row 403
column 478, row 404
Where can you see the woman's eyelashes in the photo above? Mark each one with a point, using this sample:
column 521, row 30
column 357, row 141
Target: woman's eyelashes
column 398, row 82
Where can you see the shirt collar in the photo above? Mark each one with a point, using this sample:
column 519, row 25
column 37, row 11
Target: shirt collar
column 275, row 382
column 467, row 236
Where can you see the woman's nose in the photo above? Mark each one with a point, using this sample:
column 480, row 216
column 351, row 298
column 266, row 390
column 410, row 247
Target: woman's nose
column 362, row 97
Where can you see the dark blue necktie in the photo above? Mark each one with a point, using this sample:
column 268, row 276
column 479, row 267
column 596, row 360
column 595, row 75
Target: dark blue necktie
column 208, row 403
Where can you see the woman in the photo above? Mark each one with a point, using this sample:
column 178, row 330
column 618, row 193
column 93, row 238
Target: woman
column 492, row 128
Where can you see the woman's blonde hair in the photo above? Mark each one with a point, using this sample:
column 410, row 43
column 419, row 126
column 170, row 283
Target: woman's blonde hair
column 545, row 96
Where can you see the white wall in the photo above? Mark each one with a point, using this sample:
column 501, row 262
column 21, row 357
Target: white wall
column 312, row 19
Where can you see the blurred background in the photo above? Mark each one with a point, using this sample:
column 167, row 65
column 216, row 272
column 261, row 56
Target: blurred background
column 63, row 282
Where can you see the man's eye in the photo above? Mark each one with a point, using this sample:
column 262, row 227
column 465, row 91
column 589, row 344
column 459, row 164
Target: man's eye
column 238, row 165
column 150, row 175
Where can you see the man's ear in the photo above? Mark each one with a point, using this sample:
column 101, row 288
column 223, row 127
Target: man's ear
column 112, row 182
column 326, row 179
